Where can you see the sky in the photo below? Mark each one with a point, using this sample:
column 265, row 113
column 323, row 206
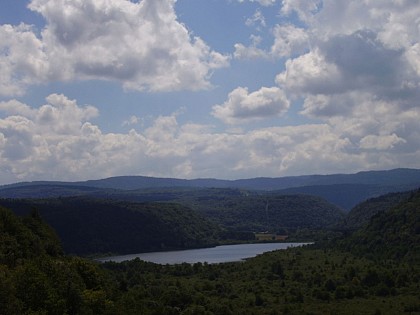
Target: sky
column 223, row 89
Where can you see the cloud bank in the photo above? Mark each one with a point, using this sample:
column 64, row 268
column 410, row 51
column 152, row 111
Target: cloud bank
column 141, row 45
column 58, row 141
column 348, row 73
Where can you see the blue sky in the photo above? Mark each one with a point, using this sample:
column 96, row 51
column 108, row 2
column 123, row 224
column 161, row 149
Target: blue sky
column 207, row 88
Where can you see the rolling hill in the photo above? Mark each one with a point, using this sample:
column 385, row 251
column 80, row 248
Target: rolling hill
column 343, row 190
column 373, row 271
column 361, row 214
column 391, row 234
column 91, row 226
column 174, row 218
column 243, row 210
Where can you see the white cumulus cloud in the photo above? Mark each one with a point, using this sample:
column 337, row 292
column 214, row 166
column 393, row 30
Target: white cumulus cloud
column 22, row 59
column 250, row 52
column 289, row 40
column 141, row 45
column 361, row 73
column 243, row 106
column 59, row 141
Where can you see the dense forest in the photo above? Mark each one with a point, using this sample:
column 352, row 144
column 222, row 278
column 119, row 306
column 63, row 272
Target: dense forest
column 375, row 270
column 247, row 210
column 35, row 276
column 89, row 226
column 173, row 219
column 363, row 212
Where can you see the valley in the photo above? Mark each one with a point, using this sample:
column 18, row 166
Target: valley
column 362, row 261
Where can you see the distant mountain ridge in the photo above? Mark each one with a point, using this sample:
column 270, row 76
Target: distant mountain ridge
column 344, row 190
column 399, row 176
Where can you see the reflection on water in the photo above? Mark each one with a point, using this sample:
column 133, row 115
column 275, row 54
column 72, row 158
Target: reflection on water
column 218, row 254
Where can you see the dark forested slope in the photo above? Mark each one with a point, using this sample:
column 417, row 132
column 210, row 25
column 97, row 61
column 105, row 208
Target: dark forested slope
column 346, row 196
column 392, row 234
column 361, row 214
column 35, row 277
column 25, row 238
column 89, row 226
column 374, row 271
column 240, row 209
column 175, row 218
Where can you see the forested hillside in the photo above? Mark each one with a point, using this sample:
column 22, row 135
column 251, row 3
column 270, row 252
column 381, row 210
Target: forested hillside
column 35, row 277
column 93, row 226
column 374, row 271
column 239, row 209
column 361, row 214
column 392, row 234
column 243, row 210
column 136, row 222
column 345, row 196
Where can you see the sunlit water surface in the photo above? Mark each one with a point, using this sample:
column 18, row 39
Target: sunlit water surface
column 218, row 254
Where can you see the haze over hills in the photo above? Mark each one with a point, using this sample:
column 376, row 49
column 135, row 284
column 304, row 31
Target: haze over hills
column 343, row 190
column 400, row 176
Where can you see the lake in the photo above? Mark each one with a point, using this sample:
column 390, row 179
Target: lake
column 218, row 254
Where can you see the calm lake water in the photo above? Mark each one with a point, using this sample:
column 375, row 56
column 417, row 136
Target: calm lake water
column 218, row 254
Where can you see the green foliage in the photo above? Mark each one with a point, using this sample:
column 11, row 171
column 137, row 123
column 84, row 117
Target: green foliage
column 271, row 212
column 35, row 278
column 360, row 215
column 91, row 226
column 294, row 281
column 25, row 238
column 171, row 219
column 243, row 210
column 392, row 234
column 374, row 271
column 311, row 280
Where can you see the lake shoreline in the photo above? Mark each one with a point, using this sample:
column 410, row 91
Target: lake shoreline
column 217, row 254
column 101, row 256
